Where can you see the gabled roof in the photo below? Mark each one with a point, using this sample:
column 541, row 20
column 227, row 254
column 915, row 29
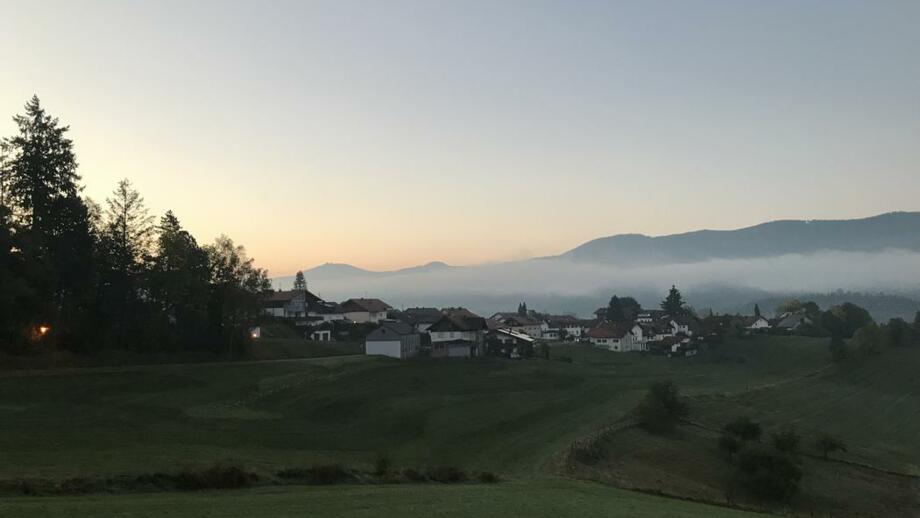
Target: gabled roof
column 390, row 331
column 422, row 315
column 514, row 319
column 459, row 312
column 459, row 323
column 516, row 335
column 611, row 330
column 369, row 305
column 282, row 297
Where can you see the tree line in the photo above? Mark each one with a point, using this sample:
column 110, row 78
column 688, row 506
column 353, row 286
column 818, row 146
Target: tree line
column 84, row 277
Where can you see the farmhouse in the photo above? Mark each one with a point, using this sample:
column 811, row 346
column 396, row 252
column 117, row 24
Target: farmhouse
column 365, row 310
column 421, row 318
column 792, row 321
column 520, row 323
column 393, row 339
column 457, row 335
column 756, row 323
column 287, row 304
column 564, row 326
column 617, row 336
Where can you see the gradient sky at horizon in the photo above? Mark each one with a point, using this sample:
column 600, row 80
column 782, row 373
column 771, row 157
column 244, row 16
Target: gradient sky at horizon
column 387, row 134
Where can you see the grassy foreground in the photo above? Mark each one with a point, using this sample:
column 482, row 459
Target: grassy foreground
column 534, row 499
column 510, row 417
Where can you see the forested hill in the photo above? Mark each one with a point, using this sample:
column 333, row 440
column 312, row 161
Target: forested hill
column 899, row 230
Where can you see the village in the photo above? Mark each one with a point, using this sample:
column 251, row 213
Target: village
column 673, row 330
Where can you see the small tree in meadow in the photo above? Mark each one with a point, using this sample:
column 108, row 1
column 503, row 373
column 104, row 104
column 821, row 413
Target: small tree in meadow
column 787, row 440
column 743, row 428
column 661, row 408
column 730, row 444
column 827, row 444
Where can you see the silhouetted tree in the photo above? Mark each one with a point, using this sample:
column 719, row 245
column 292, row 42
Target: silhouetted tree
column 126, row 245
column 300, row 284
column 674, row 303
column 40, row 190
column 178, row 283
column 235, row 289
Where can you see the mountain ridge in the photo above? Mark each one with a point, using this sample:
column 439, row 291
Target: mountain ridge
column 899, row 230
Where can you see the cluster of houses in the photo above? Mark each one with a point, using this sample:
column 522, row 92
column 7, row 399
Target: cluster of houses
column 460, row 333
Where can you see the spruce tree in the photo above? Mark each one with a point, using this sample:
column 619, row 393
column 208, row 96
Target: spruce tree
column 300, row 284
column 674, row 304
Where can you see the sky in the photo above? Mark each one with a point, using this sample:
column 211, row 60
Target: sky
column 388, row 134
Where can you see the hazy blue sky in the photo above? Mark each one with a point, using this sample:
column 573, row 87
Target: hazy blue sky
column 386, row 133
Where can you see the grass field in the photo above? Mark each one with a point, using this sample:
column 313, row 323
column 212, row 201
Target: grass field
column 510, row 417
column 506, row 416
column 536, row 499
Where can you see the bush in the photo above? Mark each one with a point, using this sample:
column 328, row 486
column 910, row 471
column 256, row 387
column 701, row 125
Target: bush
column 826, row 443
column 743, row 428
column 838, row 348
column 320, row 474
column 769, row 474
column 414, row 475
column 487, row 477
column 447, row 474
column 661, row 408
column 381, row 464
column 787, row 440
column 219, row 476
column 730, row 444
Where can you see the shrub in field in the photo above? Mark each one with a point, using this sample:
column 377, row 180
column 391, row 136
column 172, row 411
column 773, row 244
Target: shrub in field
column 446, row 474
column 743, row 428
column 321, row 474
column 826, row 444
column 769, row 474
column 381, row 464
column 414, row 475
column 661, row 408
column 787, row 440
column 219, row 476
column 487, row 477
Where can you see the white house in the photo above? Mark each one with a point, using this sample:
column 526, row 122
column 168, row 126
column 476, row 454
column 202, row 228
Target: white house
column 393, row 339
column 756, row 323
column 365, row 310
column 617, row 336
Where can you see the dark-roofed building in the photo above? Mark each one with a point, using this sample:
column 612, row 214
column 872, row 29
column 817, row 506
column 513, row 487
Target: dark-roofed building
column 421, row 318
column 520, row 323
column 457, row 335
column 289, row 303
column 393, row 339
column 617, row 336
column 365, row 310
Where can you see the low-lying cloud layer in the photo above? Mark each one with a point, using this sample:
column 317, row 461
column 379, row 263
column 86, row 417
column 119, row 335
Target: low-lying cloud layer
column 892, row 271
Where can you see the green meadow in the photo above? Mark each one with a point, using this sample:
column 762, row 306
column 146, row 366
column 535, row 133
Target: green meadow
column 513, row 418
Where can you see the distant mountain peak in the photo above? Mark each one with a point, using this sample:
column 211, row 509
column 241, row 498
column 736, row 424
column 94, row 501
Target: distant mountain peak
column 890, row 230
